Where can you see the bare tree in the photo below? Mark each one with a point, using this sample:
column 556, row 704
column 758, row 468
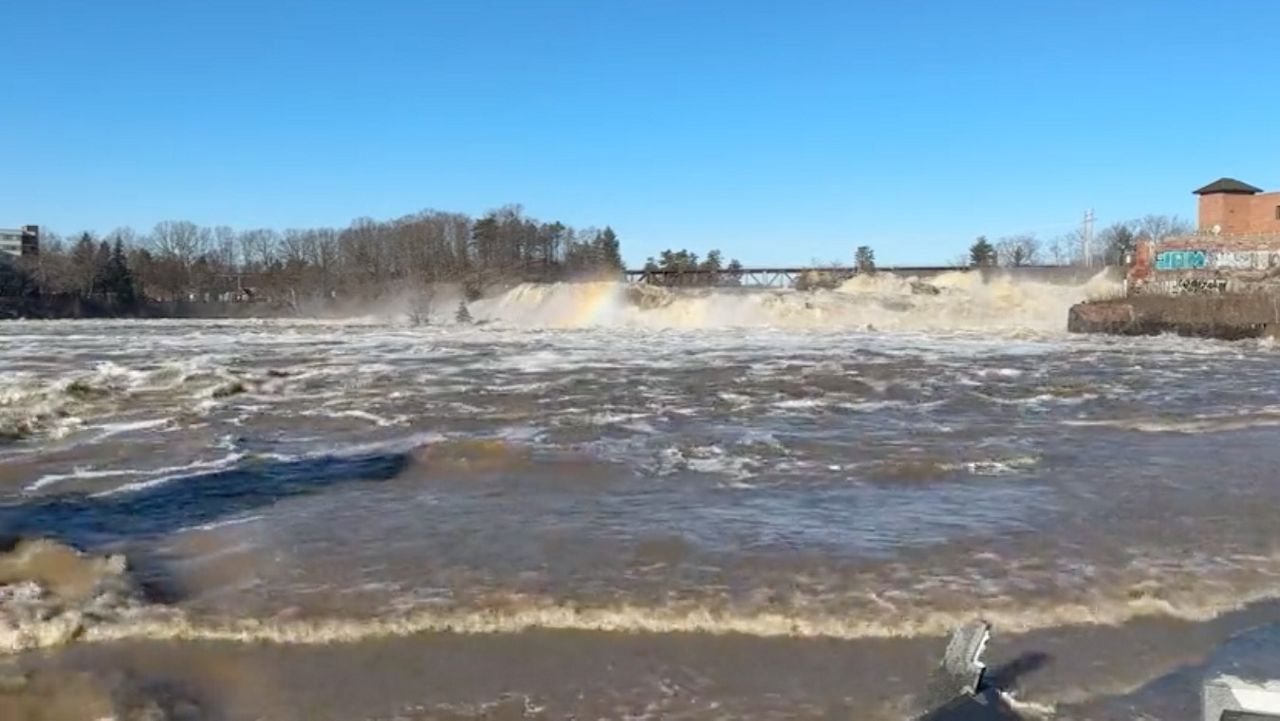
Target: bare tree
column 1058, row 251
column 125, row 234
column 1070, row 248
column 51, row 267
column 1018, row 250
column 179, row 240
column 82, row 266
column 224, row 246
column 1159, row 227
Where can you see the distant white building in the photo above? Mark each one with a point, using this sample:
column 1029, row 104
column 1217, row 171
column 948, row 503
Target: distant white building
column 24, row 241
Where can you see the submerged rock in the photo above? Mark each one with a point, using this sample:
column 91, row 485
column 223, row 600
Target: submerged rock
column 234, row 388
column 84, row 391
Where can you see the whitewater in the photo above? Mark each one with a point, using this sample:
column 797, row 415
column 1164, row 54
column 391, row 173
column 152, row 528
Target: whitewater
column 950, row 301
column 607, row 500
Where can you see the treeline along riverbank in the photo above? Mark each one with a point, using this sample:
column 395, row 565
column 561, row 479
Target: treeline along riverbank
column 180, row 269
column 124, row 272
column 46, row 307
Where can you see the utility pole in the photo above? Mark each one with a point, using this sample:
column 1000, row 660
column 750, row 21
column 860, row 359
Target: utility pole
column 1086, row 234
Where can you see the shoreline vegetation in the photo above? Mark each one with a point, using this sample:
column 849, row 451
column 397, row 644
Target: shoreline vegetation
column 181, row 264
column 180, row 269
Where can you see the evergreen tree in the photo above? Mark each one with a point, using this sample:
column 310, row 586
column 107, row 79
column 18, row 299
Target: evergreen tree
column 982, row 253
column 734, row 275
column 713, row 269
column 608, row 250
column 666, row 260
column 712, row 265
column 121, row 278
column 485, row 239
column 463, row 315
column 15, row 281
column 102, row 280
column 713, row 262
column 865, row 259
column 681, row 260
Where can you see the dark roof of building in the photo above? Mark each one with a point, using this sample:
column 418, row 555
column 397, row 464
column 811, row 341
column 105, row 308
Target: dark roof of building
column 1228, row 185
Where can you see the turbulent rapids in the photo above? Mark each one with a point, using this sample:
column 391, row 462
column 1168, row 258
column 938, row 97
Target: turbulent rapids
column 951, row 301
column 644, row 487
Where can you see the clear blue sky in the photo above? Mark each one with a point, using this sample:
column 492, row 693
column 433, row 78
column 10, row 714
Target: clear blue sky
column 776, row 131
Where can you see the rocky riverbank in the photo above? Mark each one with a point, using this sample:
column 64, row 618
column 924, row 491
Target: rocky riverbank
column 1222, row 316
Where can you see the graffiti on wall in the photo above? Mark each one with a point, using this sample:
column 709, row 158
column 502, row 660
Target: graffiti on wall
column 1184, row 286
column 1245, row 259
column 1197, row 286
column 1172, row 260
column 1181, row 260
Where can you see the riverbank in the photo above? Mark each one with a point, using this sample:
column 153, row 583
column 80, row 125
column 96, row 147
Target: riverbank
column 1233, row 316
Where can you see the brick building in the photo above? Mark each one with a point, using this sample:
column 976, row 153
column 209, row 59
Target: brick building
column 1230, row 207
column 1237, row 247
column 21, row 242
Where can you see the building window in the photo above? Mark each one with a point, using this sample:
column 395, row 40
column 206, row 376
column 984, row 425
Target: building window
column 1278, row 212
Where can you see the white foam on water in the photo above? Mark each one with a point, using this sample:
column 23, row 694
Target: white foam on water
column 126, row 618
column 873, row 406
column 756, row 437
column 711, row 459
column 884, row 301
column 108, row 430
column 1028, row 709
column 610, row 418
column 800, row 403
column 996, row 466
column 174, row 473
column 78, row 474
column 160, row 476
column 377, row 420
column 1196, row 424
column 237, row 521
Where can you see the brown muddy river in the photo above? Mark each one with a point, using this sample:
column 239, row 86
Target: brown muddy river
column 768, row 505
